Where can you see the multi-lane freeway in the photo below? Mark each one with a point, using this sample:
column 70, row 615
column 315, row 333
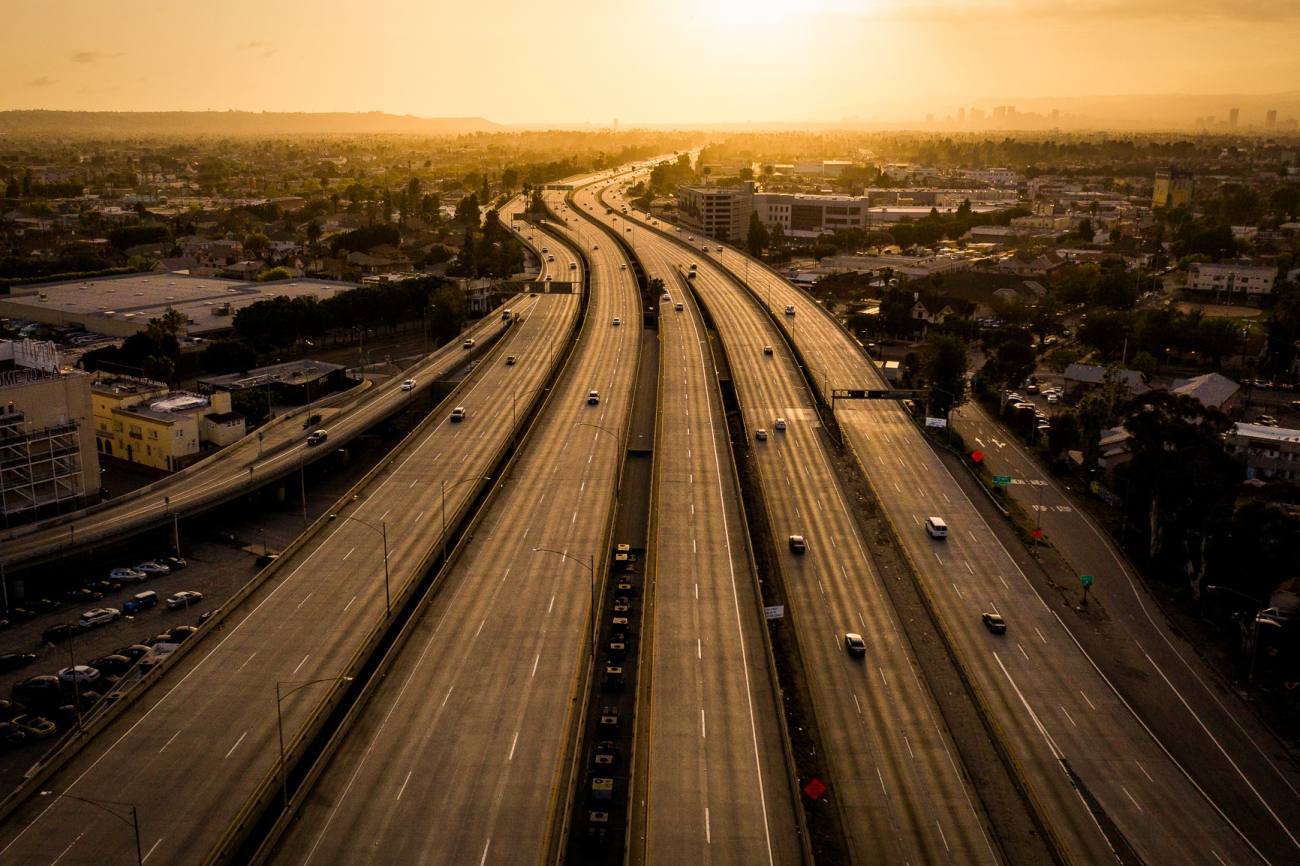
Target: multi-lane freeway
column 461, row 755
column 207, row 735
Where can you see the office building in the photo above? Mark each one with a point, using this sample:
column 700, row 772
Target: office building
column 1270, row 119
column 1234, row 115
column 721, row 212
column 1172, row 189
column 47, row 462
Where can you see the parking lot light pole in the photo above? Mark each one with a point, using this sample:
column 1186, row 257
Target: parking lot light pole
column 279, row 724
column 590, row 564
column 106, row 806
column 383, row 533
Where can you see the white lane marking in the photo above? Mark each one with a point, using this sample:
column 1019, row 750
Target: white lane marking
column 1067, row 714
column 708, row 833
column 968, row 568
column 535, row 661
column 301, row 663
column 246, row 661
column 236, row 745
column 704, row 733
column 486, row 845
column 1085, row 697
column 908, row 743
column 693, row 547
column 1144, row 771
column 1022, row 650
column 1005, row 585
column 69, row 848
column 479, row 630
column 304, row 600
column 346, row 555
column 942, row 836
column 513, row 742
column 402, row 789
column 1044, row 640
column 1132, row 800
column 550, row 606
column 856, row 705
column 444, row 697
column 349, row 604
column 699, row 649
column 958, row 591
column 152, row 848
column 169, row 742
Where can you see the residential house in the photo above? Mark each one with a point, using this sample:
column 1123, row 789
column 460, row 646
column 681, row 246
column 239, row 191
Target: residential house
column 1214, row 391
column 1080, row 378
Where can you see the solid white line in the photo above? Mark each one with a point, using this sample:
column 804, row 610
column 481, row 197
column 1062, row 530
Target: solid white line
column 236, row 745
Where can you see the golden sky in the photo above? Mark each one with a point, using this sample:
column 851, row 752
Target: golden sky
column 659, row 61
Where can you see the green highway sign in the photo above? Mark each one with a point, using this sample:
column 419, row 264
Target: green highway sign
column 1086, row 580
column 1002, row 480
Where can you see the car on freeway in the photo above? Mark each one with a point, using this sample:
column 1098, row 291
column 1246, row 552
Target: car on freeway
column 468, row 344
column 550, row 258
column 854, row 644
column 1053, row 399
column 14, row 661
column 79, row 674
column 457, row 414
column 573, row 266
column 593, row 398
column 760, row 434
column 38, row 690
column 183, row 599
column 99, row 616
column 616, row 321
column 127, row 575
column 936, row 527
column 719, row 249
column 153, row 568
column 316, row 437
column 994, row 622
column 36, row 727
column 622, row 267
column 789, row 310
column 767, row 350
column 679, row 306
column 408, row 384
column 510, row 360
column 779, row 424
column 59, row 633
column 798, row 544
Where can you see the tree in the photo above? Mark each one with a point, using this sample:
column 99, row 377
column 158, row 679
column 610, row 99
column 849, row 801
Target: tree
column 313, row 232
column 227, row 356
column 509, row 179
column 1062, row 434
column 170, row 325
column 944, row 368
column 1086, row 231
column 757, row 239
column 1012, row 358
column 256, row 244
column 1105, row 332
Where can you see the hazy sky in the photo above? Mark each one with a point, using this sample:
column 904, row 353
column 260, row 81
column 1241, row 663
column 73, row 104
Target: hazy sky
column 657, row 61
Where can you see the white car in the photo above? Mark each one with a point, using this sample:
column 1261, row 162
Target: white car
column 616, row 321
column 767, row 350
column 458, row 414
column 593, row 398
column 780, row 424
column 79, row 674
column 152, row 567
column 184, row 598
column 127, row 575
column 468, row 344
column 408, row 384
column 760, row 434
column 789, row 310
column 99, row 616
column 1052, row 398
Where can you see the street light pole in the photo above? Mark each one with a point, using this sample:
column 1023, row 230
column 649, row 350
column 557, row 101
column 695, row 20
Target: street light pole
column 103, row 805
column 590, row 565
column 279, row 725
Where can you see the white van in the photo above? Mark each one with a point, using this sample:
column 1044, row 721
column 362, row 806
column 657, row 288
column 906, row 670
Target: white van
column 936, row 527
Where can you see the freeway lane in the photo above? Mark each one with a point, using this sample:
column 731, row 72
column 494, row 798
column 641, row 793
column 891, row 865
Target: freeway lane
column 902, row 795
column 191, row 759
column 717, row 788
column 226, row 474
column 457, row 757
column 1059, row 715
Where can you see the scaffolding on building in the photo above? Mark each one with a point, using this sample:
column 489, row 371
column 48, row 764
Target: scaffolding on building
column 39, row 468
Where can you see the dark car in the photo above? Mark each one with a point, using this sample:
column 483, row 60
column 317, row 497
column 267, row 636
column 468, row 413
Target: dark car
column 111, row 665
column 82, row 595
column 104, row 586
column 11, row 736
column 39, row 690
column 45, row 605
column 181, row 632
column 61, row 632
column 173, row 562
column 994, row 622
column 20, row 614
column 9, row 709
column 14, row 661
column 134, row 651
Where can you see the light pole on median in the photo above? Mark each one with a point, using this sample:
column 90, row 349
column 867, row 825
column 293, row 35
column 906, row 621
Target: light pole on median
column 108, row 806
column 279, row 724
column 382, row 529
column 443, row 504
column 590, row 564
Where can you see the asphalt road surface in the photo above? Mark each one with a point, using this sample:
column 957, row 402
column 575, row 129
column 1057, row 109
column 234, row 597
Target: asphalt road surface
column 458, row 756
column 191, row 759
column 1075, row 741
column 902, row 795
column 716, row 788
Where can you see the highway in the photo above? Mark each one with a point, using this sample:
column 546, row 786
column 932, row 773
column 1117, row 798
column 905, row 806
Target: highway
column 1085, row 756
column 458, row 757
column 1218, row 739
column 225, row 475
column 191, row 754
column 902, row 795
column 717, row 788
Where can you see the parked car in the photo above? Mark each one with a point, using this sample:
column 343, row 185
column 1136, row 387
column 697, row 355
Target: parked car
column 127, row 575
column 172, row 562
column 994, row 622
column 134, row 651
column 140, row 601
column 45, row 605
column 38, row 690
column 79, row 674
column 99, row 616
column 14, row 661
column 36, row 727
column 59, row 633
column 112, row 665
column 11, row 736
column 184, row 599
column 153, row 568
column 104, row 586
column 9, row 709
column 181, row 632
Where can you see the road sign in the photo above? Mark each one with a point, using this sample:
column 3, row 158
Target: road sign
column 815, row 789
column 1002, row 480
column 1085, row 580
column 936, row 422
column 775, row 611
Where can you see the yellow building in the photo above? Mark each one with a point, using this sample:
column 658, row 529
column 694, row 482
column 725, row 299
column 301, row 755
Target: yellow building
column 1173, row 189
column 140, row 421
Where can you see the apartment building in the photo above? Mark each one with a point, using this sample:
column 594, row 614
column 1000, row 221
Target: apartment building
column 47, row 461
column 142, row 422
column 1226, row 280
column 1271, row 453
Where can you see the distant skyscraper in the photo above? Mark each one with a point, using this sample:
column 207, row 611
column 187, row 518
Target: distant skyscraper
column 1234, row 114
column 1270, row 119
column 976, row 115
column 999, row 112
column 1056, row 114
